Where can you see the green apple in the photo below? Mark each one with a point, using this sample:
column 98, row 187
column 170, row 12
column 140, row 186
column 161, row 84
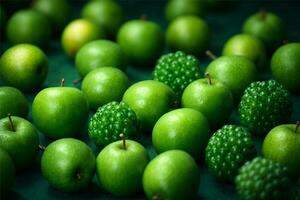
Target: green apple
column 14, row 102
column 120, row 167
column 267, row 27
column 142, row 41
column 210, row 97
column 79, row 32
column 104, row 85
column 282, row 144
column 99, row 53
column 149, row 99
column 28, row 26
column 108, row 14
column 285, row 66
column 20, row 139
column 248, row 46
column 176, row 8
column 24, row 66
column 172, row 175
column 185, row 129
column 7, row 173
column 188, row 33
column 60, row 112
column 236, row 72
column 68, row 164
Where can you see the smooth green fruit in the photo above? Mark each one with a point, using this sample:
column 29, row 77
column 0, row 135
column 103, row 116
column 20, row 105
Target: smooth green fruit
column 120, row 170
column 107, row 14
column 99, row 53
column 78, row 33
column 149, row 100
column 189, row 33
column 58, row 12
column 142, row 41
column 211, row 98
column 14, row 102
column 68, row 164
column 236, row 72
column 24, row 66
column 171, row 175
column 267, row 27
column 60, row 112
column 7, row 173
column 247, row 46
column 282, row 144
column 28, row 26
column 185, row 129
column 176, row 8
column 21, row 141
column 103, row 85
column 285, row 66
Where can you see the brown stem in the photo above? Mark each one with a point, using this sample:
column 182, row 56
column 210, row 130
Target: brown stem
column 157, row 197
column 210, row 54
column 75, row 82
column 41, row 147
column 297, row 126
column 12, row 127
column 122, row 136
column 62, row 82
column 263, row 13
column 285, row 41
column 143, row 17
column 78, row 175
column 208, row 78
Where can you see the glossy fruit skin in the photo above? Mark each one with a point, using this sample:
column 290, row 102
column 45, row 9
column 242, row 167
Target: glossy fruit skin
column 264, row 105
column 285, row 66
column 211, row 100
column 60, row 112
column 63, row 160
column 149, row 100
column 14, row 102
column 263, row 179
column 172, row 175
column 176, row 8
column 227, row 150
column 78, row 33
column 142, row 41
column 236, row 72
column 189, row 34
column 22, row 28
column 27, row 71
column 7, row 173
column 22, row 145
column 103, row 85
column 177, row 70
column 282, row 144
column 108, row 14
column 110, row 121
column 267, row 27
column 248, row 46
column 58, row 12
column 184, row 129
column 99, row 53
column 120, row 171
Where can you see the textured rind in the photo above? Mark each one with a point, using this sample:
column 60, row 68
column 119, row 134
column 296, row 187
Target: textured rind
column 177, row 70
column 263, row 179
column 110, row 121
column 227, row 150
column 264, row 105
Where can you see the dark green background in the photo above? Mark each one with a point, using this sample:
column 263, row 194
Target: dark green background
column 224, row 23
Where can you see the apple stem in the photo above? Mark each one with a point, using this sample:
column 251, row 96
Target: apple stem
column 62, row 82
column 143, row 17
column 122, row 136
column 210, row 54
column 78, row 176
column 297, row 126
column 263, row 13
column 11, row 122
column 285, row 41
column 156, row 197
column 41, row 147
column 75, row 82
column 208, row 78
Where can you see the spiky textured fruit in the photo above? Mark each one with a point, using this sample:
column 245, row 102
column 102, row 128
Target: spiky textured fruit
column 227, row 150
column 262, row 179
column 110, row 121
column 264, row 105
column 177, row 70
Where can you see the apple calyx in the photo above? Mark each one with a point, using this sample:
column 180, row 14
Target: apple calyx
column 208, row 78
column 122, row 136
column 12, row 127
column 157, row 196
column 297, row 126
column 211, row 55
column 62, row 82
column 78, row 176
column 41, row 147
column 76, row 81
